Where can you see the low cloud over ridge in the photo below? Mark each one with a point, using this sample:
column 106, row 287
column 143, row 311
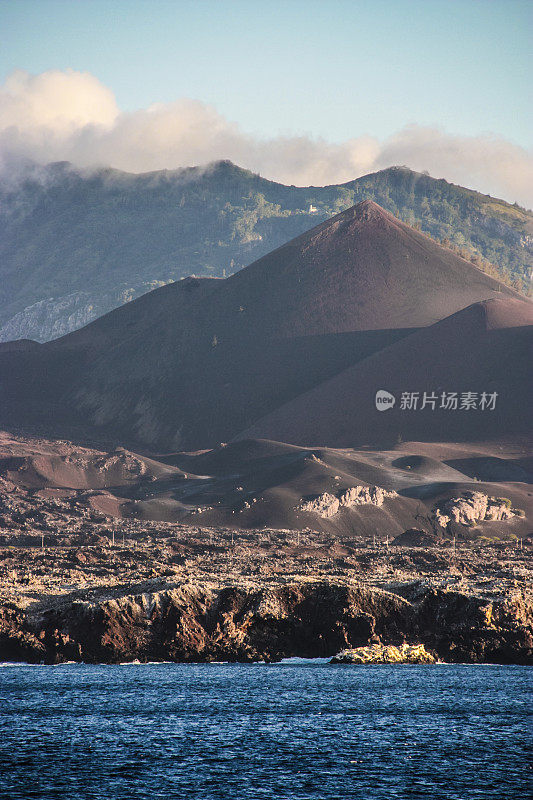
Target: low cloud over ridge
column 71, row 116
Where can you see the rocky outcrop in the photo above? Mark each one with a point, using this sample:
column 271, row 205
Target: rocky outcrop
column 327, row 505
column 474, row 507
column 385, row 654
column 205, row 623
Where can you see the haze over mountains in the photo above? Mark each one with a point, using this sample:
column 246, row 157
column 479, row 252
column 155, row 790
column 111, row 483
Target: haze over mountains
column 74, row 245
column 202, row 360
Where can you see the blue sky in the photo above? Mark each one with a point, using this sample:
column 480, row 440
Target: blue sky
column 304, row 92
column 335, row 69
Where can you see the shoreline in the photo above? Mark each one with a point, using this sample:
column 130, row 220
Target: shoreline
column 316, row 662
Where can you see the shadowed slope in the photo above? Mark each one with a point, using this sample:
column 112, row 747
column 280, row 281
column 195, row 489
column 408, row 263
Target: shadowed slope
column 483, row 348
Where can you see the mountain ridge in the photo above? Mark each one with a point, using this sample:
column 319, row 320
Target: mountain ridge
column 74, row 245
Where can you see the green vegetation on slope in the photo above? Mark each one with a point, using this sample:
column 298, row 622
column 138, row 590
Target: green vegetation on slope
column 496, row 236
column 74, row 245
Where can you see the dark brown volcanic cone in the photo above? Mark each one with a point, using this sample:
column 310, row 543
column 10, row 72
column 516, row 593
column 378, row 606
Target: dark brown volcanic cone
column 361, row 270
column 198, row 361
column 483, row 348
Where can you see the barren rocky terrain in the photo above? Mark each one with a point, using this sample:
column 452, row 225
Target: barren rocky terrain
column 80, row 582
column 165, row 591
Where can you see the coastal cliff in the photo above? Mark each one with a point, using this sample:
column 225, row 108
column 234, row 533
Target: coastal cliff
column 202, row 622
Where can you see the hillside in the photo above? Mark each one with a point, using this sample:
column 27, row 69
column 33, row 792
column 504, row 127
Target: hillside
column 198, row 361
column 256, row 484
column 485, row 348
column 74, row 245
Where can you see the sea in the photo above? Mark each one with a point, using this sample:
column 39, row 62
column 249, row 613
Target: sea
column 297, row 730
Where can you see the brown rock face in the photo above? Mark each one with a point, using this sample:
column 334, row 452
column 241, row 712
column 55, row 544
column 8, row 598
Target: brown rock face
column 202, row 623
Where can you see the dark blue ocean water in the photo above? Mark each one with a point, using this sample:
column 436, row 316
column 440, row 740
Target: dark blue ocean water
column 298, row 730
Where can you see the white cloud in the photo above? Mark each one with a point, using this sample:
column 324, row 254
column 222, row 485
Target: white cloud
column 72, row 116
column 59, row 102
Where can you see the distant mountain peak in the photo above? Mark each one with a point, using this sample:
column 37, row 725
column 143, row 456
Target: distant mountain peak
column 225, row 166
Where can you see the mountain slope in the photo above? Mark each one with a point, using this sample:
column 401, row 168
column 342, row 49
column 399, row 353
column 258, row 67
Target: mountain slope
column 485, row 348
column 196, row 362
column 74, row 245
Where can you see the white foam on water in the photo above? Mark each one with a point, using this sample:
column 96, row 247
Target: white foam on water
column 296, row 660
